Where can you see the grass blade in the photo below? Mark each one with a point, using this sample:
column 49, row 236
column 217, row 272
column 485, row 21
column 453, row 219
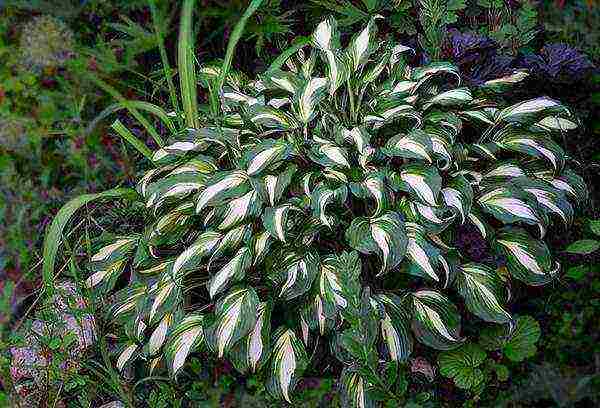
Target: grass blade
column 163, row 55
column 236, row 34
column 130, row 137
column 288, row 52
column 130, row 107
column 185, row 62
column 54, row 233
column 141, row 105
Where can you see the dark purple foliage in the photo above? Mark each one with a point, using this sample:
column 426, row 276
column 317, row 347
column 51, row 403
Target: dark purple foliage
column 558, row 62
column 477, row 56
column 471, row 244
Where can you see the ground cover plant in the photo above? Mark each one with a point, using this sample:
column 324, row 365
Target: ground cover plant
column 550, row 358
column 315, row 211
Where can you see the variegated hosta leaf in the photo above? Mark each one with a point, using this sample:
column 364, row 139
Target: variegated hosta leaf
column 572, row 184
column 503, row 172
column 288, row 362
column 261, row 244
column 327, row 39
column 415, row 145
column 378, row 190
column 265, row 154
column 478, row 220
column 373, row 73
column 483, row 291
column 222, row 187
column 555, row 124
column 159, row 335
column 362, row 46
column 442, row 149
column 459, row 195
column 453, row 97
column 527, row 259
column 126, row 300
column 357, row 136
column 293, row 273
column 529, row 111
column 435, row 68
column 423, row 256
column 163, row 296
column 355, row 390
column 253, row 351
column 128, row 354
column 330, row 155
column 278, row 79
column 389, row 114
column 190, row 259
column 308, row 97
column 235, row 316
column 270, row 188
column 338, row 276
column 433, row 219
column 506, row 82
column 424, row 183
column 230, row 242
column 109, row 262
column 172, row 226
column 534, row 145
column 436, row 322
column 319, row 313
column 186, row 336
column 232, row 271
column 384, row 235
column 550, row 200
column 322, row 197
column 272, row 118
column 508, row 206
column 275, row 220
column 395, row 327
column 237, row 211
column 374, row 187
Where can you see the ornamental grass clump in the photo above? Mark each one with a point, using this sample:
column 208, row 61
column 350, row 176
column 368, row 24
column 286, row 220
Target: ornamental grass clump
column 310, row 214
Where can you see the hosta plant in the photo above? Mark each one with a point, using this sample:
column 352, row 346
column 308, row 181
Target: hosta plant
column 310, row 215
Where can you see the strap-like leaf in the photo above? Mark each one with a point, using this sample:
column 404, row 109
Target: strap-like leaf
column 293, row 273
column 235, row 316
column 186, row 336
column 395, row 328
column 252, row 352
column 288, row 362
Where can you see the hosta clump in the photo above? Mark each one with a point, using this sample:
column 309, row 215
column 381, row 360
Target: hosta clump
column 324, row 191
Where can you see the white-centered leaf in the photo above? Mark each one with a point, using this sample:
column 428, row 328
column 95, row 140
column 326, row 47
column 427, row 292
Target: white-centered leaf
column 384, row 235
column 483, row 291
column 253, row 351
column 527, row 259
column 186, row 337
column 190, row 259
column 288, row 362
column 235, row 316
column 293, row 273
column 436, row 321
column 233, row 271
column 224, row 185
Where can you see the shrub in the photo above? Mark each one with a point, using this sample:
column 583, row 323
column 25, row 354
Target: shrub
column 310, row 215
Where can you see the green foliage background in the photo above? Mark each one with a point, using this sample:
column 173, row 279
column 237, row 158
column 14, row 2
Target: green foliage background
column 61, row 146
